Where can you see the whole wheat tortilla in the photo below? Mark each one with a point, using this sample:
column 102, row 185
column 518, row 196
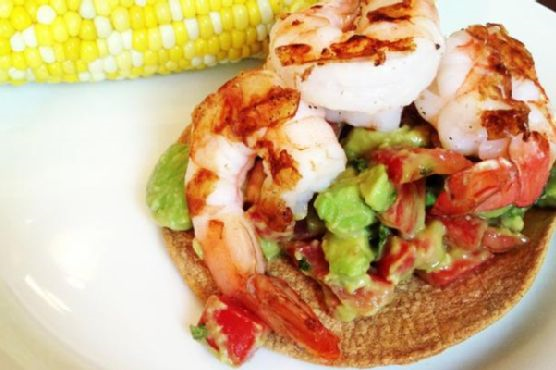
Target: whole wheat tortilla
column 421, row 321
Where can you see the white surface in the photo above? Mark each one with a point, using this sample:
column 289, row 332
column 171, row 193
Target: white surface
column 84, row 280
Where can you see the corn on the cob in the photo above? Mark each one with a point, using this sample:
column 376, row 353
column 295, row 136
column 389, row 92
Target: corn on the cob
column 92, row 40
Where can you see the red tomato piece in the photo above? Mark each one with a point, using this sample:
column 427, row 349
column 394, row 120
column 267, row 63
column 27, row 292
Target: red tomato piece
column 232, row 330
column 407, row 214
column 457, row 269
column 310, row 257
column 409, row 165
column 465, row 232
column 498, row 241
column 398, row 260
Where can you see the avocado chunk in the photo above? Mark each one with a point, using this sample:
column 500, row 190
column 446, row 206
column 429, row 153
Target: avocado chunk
column 361, row 140
column 376, row 188
column 342, row 208
column 513, row 219
column 270, row 248
column 165, row 189
column 349, row 259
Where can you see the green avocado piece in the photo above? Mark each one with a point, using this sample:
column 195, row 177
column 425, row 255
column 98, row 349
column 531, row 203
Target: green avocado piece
column 432, row 254
column 376, row 188
column 548, row 197
column 348, row 258
column 342, row 208
column 513, row 219
column 270, row 248
column 494, row 213
column 165, row 189
column 361, row 140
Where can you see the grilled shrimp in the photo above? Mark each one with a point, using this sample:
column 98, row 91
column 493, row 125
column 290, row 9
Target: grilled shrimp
column 252, row 116
column 361, row 60
column 487, row 102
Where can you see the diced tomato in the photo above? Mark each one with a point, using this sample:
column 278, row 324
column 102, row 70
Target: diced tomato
column 457, row 269
column 232, row 330
column 532, row 160
column 310, row 257
column 398, row 260
column 499, row 241
column 407, row 214
column 486, row 186
column 409, row 165
column 465, row 232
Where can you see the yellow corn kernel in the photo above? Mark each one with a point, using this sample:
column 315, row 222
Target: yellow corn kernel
column 241, row 17
column 125, row 3
column 200, row 47
column 5, row 48
column 140, row 40
column 31, row 9
column 19, row 2
column 213, row 46
column 19, row 18
column 59, row 52
column 180, row 32
column 151, row 58
column 124, row 61
column 55, row 69
column 73, row 4
column 215, row 5
column 6, row 7
column 163, row 56
column 275, row 5
column 234, row 54
column 81, row 66
column 184, row 64
column 172, row 66
column 72, row 49
column 102, row 7
column 89, row 51
column 58, row 29
column 150, row 17
column 250, row 35
column 225, row 40
column 202, row 7
column 227, row 19
column 88, row 31
column 137, row 71
column 70, row 78
column 68, row 67
column 41, row 73
column 163, row 14
column 222, row 55
column 238, row 39
column 102, row 46
column 155, row 41
column 136, row 17
column 18, row 60
column 59, row 6
column 120, row 19
column 189, row 50
column 73, row 23
column 5, row 62
column 176, row 53
column 43, row 34
column 205, row 26
column 188, row 7
column 4, row 77
column 254, row 14
column 6, row 29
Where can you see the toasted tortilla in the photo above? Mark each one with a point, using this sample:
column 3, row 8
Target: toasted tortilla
column 421, row 321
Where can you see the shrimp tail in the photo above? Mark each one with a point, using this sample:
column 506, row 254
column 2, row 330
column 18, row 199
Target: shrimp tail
column 281, row 308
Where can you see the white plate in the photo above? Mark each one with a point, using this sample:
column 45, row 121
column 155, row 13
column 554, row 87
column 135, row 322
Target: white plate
column 84, row 279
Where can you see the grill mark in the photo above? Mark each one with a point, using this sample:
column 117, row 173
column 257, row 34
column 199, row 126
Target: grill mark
column 198, row 189
column 356, row 46
column 503, row 123
column 393, row 13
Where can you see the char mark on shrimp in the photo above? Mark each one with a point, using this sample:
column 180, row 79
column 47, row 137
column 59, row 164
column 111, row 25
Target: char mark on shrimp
column 357, row 46
column 398, row 12
column 199, row 188
column 500, row 124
